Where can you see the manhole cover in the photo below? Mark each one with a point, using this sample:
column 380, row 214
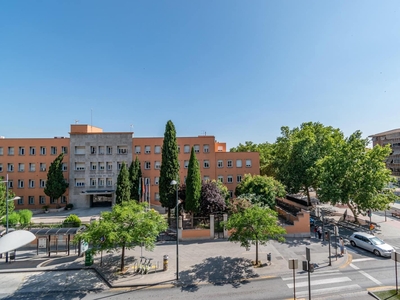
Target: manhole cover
column 279, row 258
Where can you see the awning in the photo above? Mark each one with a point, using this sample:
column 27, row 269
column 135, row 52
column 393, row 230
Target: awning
column 57, row 231
column 96, row 192
column 16, row 239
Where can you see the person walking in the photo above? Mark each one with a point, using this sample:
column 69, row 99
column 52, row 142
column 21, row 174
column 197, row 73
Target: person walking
column 319, row 232
column 341, row 245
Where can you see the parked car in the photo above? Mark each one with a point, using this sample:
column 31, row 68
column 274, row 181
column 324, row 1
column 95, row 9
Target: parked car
column 371, row 243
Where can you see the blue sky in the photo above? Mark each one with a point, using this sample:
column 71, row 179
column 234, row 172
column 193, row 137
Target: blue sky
column 238, row 70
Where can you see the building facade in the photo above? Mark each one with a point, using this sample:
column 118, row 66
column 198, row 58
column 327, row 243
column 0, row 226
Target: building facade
column 93, row 158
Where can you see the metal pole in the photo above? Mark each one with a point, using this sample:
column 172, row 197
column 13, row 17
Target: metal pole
column 385, row 216
column 294, row 284
column 6, row 212
column 309, row 281
column 323, row 227
column 177, row 235
column 395, row 267
column 370, row 221
column 336, row 245
column 329, row 241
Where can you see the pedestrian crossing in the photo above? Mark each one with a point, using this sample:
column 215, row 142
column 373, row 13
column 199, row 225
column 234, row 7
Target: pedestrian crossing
column 322, row 283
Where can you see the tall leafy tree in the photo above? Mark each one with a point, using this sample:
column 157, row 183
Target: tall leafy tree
column 265, row 188
column 135, row 174
column 11, row 195
column 211, row 200
column 128, row 225
column 357, row 176
column 296, row 154
column 123, row 191
column 223, row 190
column 169, row 168
column 56, row 185
column 193, row 184
column 253, row 226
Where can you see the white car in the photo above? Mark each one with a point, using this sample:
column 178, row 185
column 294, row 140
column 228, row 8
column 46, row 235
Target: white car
column 371, row 243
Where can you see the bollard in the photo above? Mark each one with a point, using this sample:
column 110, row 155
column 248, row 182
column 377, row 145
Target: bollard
column 269, row 258
column 165, row 263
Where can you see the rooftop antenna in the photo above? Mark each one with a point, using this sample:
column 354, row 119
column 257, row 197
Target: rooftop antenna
column 203, row 132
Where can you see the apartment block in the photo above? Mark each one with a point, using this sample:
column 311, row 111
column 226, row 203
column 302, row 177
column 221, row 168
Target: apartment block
column 93, row 159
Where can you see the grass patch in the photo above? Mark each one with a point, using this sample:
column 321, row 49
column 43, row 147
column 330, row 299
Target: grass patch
column 388, row 295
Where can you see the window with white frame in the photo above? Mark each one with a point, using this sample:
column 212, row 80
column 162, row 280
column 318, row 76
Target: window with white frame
column 31, row 183
column 147, row 181
column 230, row 194
column 64, row 149
column 42, row 199
column 21, row 200
column 101, row 181
column 1, row 167
column 109, row 150
column 31, row 199
column 147, row 165
column 122, row 149
column 93, row 150
column 21, row 167
column 248, row 163
column 156, row 180
column 52, row 200
column 186, row 149
column 64, row 167
column 221, row 178
column 157, row 149
column 79, row 166
column 186, row 164
column 157, row 165
column 238, row 163
column 109, row 165
column 206, row 178
column 137, row 149
column 21, row 150
column 79, row 182
column 42, row 167
column 229, row 164
column 220, row 163
column 20, row 184
column 147, row 149
column 32, row 151
column 10, row 150
column 196, row 148
column 93, row 166
column 102, row 165
column 10, row 184
column 109, row 181
column 79, row 150
column 238, row 178
column 32, row 167
column 179, row 149
column 93, row 182
column 206, row 148
column 119, row 165
column 53, row 150
column 157, row 196
column 42, row 183
column 220, row 148
column 206, row 164
column 43, row 150
column 63, row 199
column 1, row 151
column 10, row 167
column 101, row 150
column 229, row 178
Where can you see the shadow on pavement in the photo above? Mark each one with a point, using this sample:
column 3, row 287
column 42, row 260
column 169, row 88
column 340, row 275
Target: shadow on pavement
column 218, row 271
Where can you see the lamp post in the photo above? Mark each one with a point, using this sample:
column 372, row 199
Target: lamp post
column 174, row 182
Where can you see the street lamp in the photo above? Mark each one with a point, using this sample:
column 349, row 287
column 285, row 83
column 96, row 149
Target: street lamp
column 7, row 200
column 174, row 182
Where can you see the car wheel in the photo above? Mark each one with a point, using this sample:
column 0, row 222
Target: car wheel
column 377, row 253
column 353, row 243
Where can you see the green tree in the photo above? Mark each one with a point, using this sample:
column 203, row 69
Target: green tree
column 265, row 188
column 56, row 185
column 135, row 174
column 356, row 176
column 11, row 195
column 296, row 154
column 72, row 221
column 123, row 191
column 193, row 185
column 128, row 225
column 13, row 219
column 25, row 216
column 169, row 168
column 253, row 226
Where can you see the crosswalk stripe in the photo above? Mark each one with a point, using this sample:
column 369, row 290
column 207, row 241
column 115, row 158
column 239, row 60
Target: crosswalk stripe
column 363, row 259
column 366, row 274
column 315, row 274
column 321, row 281
column 335, row 290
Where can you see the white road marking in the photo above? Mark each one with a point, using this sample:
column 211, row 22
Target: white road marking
column 319, row 282
column 363, row 259
column 322, row 273
column 335, row 290
column 366, row 274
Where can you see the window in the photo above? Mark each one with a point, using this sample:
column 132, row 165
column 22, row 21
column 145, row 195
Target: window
column 93, row 166
column 32, row 167
column 53, row 150
column 206, row 164
column 109, row 166
column 10, row 150
column 21, row 167
column 248, row 163
column 31, row 199
column 122, row 150
column 206, row 148
column 206, row 178
column 10, row 184
column 93, row 182
column 42, row 150
column 63, row 199
column 147, row 165
column 64, row 167
column 157, row 149
column 1, row 151
column 239, row 178
column 79, row 166
column 186, row 149
column 79, row 182
column 42, row 167
column 101, row 182
column 137, row 149
column 42, row 199
column 196, row 148
column 109, row 182
column 64, row 149
column 156, row 180
column 238, row 163
column 157, row 165
column 229, row 164
column 92, row 150
column 42, row 183
column 220, row 163
column 32, row 151
column 109, row 149
column 229, row 179
column 230, row 194
column 101, row 150
column 31, row 183
column 179, row 149
column 147, row 149
column 186, row 164
column 220, row 148
column 119, row 165
column 221, row 178
column 1, row 167
column 20, row 184
column 157, row 196
column 101, row 166
column 10, row 167
column 21, row 201
column 184, row 179
column 147, row 181
column 21, row 151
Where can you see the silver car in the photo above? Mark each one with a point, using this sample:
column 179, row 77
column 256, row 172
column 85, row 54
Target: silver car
column 371, row 243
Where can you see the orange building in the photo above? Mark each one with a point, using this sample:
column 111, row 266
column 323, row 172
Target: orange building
column 93, row 158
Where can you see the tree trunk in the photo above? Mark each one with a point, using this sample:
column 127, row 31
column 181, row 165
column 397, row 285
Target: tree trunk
column 123, row 258
column 353, row 210
column 308, row 197
column 256, row 252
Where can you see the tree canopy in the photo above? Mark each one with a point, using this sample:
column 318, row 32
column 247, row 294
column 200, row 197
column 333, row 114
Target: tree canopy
column 211, row 199
column 266, row 188
column 193, row 184
column 135, row 174
column 123, row 191
column 11, row 195
column 56, row 185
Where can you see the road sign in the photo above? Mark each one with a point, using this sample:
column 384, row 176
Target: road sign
column 395, row 256
column 308, row 255
column 293, row 264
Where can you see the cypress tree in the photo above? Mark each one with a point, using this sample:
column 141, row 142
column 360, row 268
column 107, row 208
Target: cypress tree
column 134, row 177
column 138, row 183
column 123, row 191
column 56, row 185
column 169, row 167
column 193, row 185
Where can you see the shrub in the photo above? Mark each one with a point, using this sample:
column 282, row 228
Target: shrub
column 25, row 216
column 72, row 221
column 45, row 207
column 69, row 205
column 13, row 219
